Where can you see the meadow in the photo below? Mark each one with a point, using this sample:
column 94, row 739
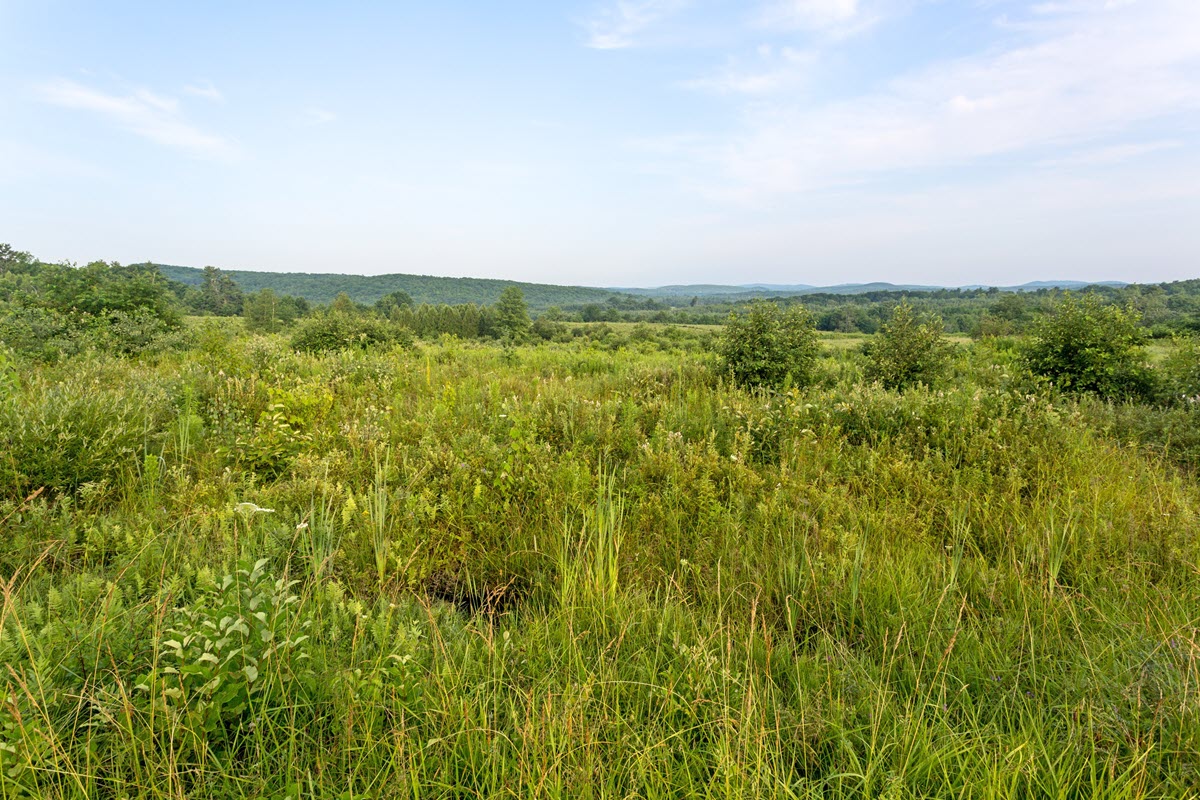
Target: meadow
column 578, row 569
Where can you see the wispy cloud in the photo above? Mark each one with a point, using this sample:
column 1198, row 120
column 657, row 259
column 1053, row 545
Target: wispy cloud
column 776, row 69
column 143, row 113
column 1085, row 72
column 1112, row 154
column 811, row 14
column 318, row 116
column 206, row 90
column 618, row 26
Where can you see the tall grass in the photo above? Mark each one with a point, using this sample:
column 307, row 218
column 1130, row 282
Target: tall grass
column 568, row 571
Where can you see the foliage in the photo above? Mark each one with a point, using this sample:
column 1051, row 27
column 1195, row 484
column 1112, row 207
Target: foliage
column 232, row 651
column 323, row 288
column 588, row 567
column 768, row 347
column 339, row 331
column 1085, row 346
column 908, row 351
column 73, row 431
column 1181, row 373
column 267, row 312
column 512, row 317
column 218, row 294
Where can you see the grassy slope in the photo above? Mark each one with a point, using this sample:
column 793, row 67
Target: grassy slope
column 570, row 572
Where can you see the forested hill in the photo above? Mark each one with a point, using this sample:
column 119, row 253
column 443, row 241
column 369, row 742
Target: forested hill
column 323, row 288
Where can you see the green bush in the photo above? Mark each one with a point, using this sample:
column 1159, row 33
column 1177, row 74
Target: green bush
column 337, row 331
column 1085, row 346
column 908, row 351
column 1180, row 373
column 70, row 433
column 766, row 346
column 49, row 335
column 229, row 652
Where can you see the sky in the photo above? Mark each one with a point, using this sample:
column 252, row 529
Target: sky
column 610, row 143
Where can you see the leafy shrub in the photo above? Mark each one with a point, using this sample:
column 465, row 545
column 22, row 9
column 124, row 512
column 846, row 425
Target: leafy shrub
column 67, row 434
column 1180, row 373
column 768, row 347
column 908, row 351
column 234, row 645
column 334, row 332
column 49, row 335
column 1085, row 346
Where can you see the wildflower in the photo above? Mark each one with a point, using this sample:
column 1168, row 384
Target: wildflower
column 251, row 508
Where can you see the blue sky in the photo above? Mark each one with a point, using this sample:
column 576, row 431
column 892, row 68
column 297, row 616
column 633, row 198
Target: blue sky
column 640, row 142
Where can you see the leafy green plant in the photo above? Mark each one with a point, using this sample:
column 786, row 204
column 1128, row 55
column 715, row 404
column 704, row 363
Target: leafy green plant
column 908, row 350
column 341, row 331
column 228, row 650
column 1085, row 346
column 766, row 346
column 1181, row 373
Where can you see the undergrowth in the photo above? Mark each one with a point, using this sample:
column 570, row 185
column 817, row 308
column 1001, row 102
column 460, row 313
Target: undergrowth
column 455, row 570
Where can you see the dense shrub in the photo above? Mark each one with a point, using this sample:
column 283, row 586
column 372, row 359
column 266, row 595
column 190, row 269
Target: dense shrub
column 66, row 434
column 1180, row 373
column 1085, row 346
column 333, row 332
column 48, row 335
column 908, row 350
column 765, row 346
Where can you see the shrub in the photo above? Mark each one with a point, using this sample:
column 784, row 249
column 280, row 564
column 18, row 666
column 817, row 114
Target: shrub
column 1181, row 373
column 766, row 346
column 69, row 433
column 230, row 651
column 1085, row 346
column 908, row 350
column 334, row 332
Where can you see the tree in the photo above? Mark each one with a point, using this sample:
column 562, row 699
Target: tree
column 1084, row 346
column 765, row 346
column 908, row 350
column 342, row 304
column 393, row 300
column 219, row 294
column 512, row 317
column 267, row 312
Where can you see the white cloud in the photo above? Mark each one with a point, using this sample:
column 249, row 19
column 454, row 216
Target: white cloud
column 776, row 71
column 318, row 116
column 618, row 25
column 1111, row 155
column 811, row 14
column 205, row 89
column 142, row 113
column 1085, row 72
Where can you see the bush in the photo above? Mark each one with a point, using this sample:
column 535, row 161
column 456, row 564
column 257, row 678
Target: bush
column 70, row 433
column 49, row 335
column 1181, row 373
column 908, row 351
column 1085, row 346
column 334, row 332
column 769, row 347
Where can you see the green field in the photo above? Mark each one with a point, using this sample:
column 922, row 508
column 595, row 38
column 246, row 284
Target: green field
column 466, row 570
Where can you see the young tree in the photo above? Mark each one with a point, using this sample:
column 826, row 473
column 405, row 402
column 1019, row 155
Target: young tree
column 512, row 317
column 219, row 294
column 1085, row 346
column 908, row 351
column 342, row 304
column 765, row 346
column 267, row 312
column 389, row 302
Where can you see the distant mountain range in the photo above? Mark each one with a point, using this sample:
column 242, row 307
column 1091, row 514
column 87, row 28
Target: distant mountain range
column 324, row 287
